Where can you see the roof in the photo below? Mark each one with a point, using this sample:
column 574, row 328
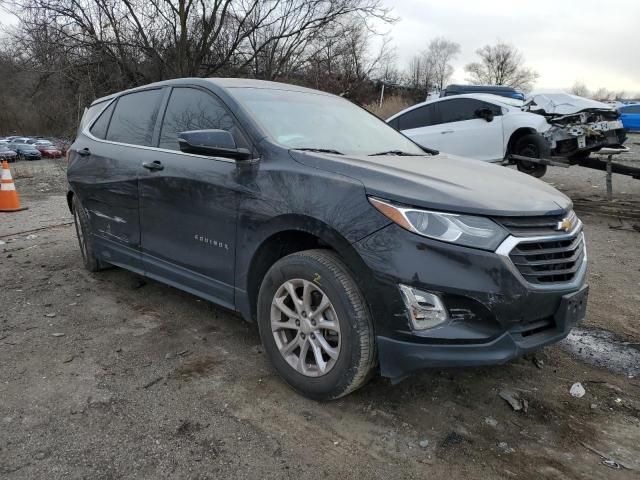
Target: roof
column 253, row 83
column 487, row 97
column 221, row 83
column 502, row 88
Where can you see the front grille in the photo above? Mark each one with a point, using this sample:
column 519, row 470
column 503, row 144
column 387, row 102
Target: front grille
column 553, row 260
column 534, row 226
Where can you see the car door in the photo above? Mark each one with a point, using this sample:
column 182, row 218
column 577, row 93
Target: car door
column 421, row 125
column 466, row 133
column 104, row 168
column 188, row 202
column 630, row 116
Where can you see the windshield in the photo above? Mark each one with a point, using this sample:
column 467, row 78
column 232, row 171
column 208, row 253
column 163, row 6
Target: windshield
column 45, row 143
column 314, row 121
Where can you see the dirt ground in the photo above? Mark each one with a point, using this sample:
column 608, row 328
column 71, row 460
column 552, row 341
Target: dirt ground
column 109, row 375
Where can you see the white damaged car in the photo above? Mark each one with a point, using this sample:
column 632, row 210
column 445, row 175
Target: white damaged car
column 579, row 125
column 493, row 128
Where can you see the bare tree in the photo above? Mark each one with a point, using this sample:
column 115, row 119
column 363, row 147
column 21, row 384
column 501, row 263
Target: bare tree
column 580, row 89
column 501, row 64
column 77, row 50
column 439, row 55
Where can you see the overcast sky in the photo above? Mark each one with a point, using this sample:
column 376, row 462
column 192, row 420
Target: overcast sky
column 596, row 42
column 565, row 41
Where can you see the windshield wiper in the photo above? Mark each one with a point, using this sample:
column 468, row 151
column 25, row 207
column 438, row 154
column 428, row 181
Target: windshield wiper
column 400, row 153
column 319, row 150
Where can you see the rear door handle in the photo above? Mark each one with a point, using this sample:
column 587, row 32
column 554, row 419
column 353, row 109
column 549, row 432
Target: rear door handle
column 155, row 165
column 446, row 131
column 84, row 152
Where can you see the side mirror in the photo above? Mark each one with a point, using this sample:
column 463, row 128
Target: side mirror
column 485, row 113
column 214, row 143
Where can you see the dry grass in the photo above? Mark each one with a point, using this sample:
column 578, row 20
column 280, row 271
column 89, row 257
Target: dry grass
column 390, row 106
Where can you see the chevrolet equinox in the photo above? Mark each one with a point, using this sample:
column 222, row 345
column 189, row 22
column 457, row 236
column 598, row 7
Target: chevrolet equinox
column 354, row 249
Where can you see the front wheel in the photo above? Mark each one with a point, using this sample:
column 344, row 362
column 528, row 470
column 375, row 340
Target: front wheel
column 315, row 325
column 533, row 146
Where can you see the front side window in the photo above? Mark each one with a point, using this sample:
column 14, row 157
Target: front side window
column 631, row 109
column 462, row 109
column 298, row 119
column 193, row 109
column 134, row 118
column 458, row 110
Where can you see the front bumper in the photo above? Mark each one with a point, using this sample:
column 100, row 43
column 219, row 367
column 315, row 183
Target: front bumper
column 496, row 315
column 399, row 358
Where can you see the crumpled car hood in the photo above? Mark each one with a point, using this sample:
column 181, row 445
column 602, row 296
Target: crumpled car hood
column 445, row 182
column 562, row 104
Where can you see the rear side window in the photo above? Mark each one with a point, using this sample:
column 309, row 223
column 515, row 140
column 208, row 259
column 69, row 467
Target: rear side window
column 193, row 109
column 419, row 117
column 134, row 118
column 99, row 128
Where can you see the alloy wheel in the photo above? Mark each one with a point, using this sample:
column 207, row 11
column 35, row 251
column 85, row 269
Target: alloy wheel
column 305, row 327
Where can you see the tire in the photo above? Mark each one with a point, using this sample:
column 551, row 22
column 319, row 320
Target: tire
column 532, row 145
column 83, row 232
column 324, row 275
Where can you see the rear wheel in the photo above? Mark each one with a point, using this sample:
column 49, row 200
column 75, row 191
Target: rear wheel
column 533, row 146
column 315, row 325
column 83, row 231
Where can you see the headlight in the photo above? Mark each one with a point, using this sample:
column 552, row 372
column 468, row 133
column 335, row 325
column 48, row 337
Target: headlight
column 467, row 230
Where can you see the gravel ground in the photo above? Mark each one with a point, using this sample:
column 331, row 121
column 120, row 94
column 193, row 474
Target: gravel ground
column 109, row 375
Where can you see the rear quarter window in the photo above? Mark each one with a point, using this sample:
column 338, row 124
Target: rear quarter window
column 99, row 128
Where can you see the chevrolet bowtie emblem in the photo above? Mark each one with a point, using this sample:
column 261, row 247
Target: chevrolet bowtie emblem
column 565, row 224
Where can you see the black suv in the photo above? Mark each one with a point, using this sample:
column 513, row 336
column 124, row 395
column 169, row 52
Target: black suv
column 351, row 246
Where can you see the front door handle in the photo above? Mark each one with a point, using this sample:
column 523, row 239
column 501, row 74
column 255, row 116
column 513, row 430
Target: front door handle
column 155, row 165
column 446, row 131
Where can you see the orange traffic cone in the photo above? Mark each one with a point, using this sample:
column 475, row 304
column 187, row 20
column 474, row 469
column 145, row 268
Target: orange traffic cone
column 9, row 200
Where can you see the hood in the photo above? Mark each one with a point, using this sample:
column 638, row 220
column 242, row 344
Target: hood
column 562, row 104
column 445, row 182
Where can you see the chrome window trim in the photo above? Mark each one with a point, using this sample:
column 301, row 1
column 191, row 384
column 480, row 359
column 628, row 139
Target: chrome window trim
column 86, row 131
column 510, row 242
column 157, row 149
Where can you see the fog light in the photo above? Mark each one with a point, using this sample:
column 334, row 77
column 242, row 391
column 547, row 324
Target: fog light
column 426, row 310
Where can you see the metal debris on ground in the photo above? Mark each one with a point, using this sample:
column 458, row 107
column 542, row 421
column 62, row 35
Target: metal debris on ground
column 606, row 459
column 58, row 334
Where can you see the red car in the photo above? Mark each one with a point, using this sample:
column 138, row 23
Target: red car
column 47, row 149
